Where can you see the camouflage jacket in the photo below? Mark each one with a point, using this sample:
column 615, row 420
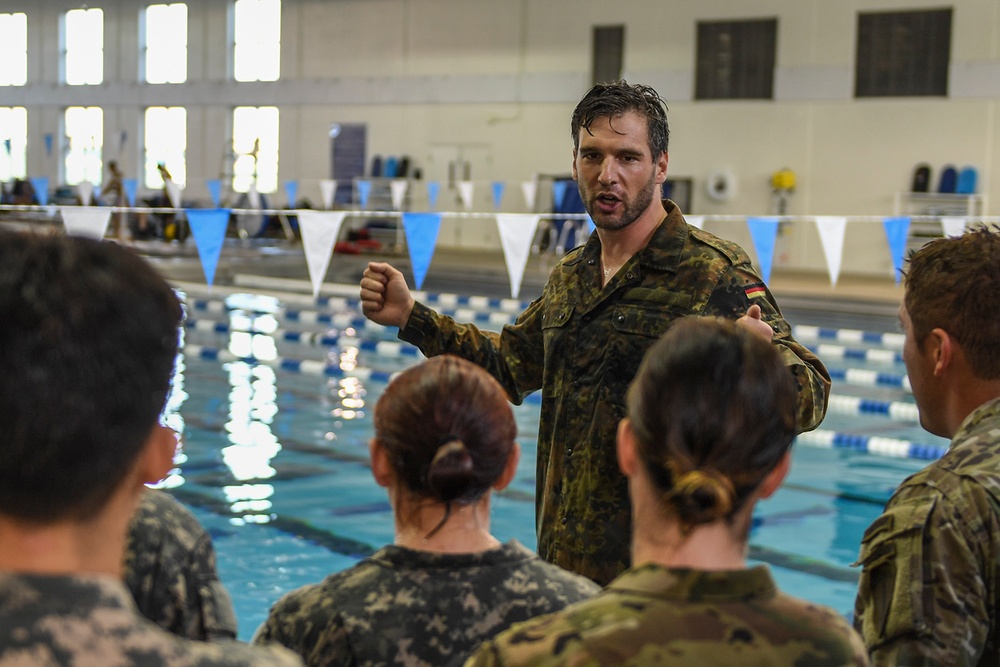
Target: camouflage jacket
column 170, row 569
column 47, row 621
column 581, row 344
column 408, row 607
column 930, row 588
column 655, row 615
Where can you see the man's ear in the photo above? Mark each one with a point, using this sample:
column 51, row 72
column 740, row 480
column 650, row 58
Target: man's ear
column 940, row 348
column 509, row 469
column 777, row 475
column 157, row 457
column 661, row 167
column 625, row 443
column 381, row 469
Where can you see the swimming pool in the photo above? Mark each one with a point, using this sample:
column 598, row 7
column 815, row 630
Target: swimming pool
column 274, row 397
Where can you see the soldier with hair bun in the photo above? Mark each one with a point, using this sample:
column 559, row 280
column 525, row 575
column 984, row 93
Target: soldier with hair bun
column 444, row 439
column 711, row 418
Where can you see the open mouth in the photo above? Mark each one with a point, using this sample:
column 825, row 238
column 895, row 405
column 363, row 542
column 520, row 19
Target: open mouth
column 607, row 201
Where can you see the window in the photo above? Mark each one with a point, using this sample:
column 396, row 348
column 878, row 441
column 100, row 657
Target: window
column 903, row 54
column 608, row 47
column 255, row 145
column 736, row 59
column 165, row 28
column 13, row 49
column 165, row 141
column 257, row 40
column 85, row 141
column 83, row 47
column 14, row 135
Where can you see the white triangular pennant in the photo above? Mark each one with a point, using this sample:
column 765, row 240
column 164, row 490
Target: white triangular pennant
column 173, row 193
column 398, row 187
column 831, row 235
column 696, row 221
column 953, row 225
column 85, row 191
column 328, row 188
column 319, row 234
column 517, row 231
column 530, row 190
column 465, row 191
column 89, row 221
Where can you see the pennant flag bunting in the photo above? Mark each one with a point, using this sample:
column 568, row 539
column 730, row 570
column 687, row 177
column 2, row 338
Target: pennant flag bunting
column 291, row 192
column 131, row 187
column 433, row 190
column 173, row 193
column 465, row 191
column 558, row 193
column 831, row 235
column 498, row 188
column 697, row 221
column 49, row 143
column 897, row 230
column 517, row 231
column 214, row 186
column 364, row 189
column 953, row 225
column 40, row 184
column 319, row 235
column 763, row 232
column 421, row 238
column 590, row 225
column 85, row 191
column 208, row 226
column 398, row 186
column 328, row 190
column 529, row 189
column 89, row 221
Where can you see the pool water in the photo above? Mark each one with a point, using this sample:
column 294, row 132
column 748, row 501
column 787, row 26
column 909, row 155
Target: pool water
column 274, row 403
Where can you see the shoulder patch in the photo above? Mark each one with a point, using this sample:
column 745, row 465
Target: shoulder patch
column 756, row 291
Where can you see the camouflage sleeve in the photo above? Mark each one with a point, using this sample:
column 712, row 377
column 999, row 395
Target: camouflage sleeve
column 741, row 288
column 514, row 357
column 212, row 615
column 322, row 641
column 921, row 599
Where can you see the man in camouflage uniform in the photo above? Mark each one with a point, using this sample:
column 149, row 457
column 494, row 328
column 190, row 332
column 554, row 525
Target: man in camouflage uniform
column 170, row 569
column 930, row 585
column 87, row 348
column 604, row 304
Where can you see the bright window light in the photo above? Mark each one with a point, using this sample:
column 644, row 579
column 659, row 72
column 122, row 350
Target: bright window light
column 257, row 40
column 255, row 148
column 83, row 52
column 13, row 143
column 85, row 137
column 166, row 34
column 166, row 142
column 13, row 49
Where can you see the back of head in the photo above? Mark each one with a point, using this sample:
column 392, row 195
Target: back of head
column 87, row 347
column 713, row 411
column 448, row 429
column 609, row 100
column 952, row 284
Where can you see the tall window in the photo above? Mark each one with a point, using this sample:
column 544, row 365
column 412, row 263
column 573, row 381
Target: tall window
column 903, row 53
column 257, row 40
column 13, row 49
column 255, row 144
column 83, row 47
column 85, row 137
column 608, row 50
column 165, row 29
column 14, row 138
column 736, row 59
column 166, row 142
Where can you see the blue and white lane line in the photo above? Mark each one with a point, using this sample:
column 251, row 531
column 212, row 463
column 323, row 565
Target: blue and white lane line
column 890, row 447
column 304, row 366
column 869, row 356
column 863, row 377
column 855, row 406
column 892, row 341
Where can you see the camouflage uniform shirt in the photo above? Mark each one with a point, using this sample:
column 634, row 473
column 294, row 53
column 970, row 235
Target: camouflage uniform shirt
column 402, row 606
column 47, row 621
column 690, row 618
column 581, row 344
column 170, row 569
column 930, row 587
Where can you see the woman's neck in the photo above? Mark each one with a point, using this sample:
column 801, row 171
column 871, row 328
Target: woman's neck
column 467, row 529
column 707, row 547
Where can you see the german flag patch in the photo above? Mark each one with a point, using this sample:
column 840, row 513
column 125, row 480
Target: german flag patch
column 757, row 291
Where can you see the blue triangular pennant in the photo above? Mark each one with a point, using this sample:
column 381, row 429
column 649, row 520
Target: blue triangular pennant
column 214, row 186
column 763, row 232
column 897, row 230
column 364, row 189
column 131, row 186
column 498, row 187
column 421, row 238
column 208, row 226
column 433, row 188
column 41, row 186
column 558, row 194
column 291, row 192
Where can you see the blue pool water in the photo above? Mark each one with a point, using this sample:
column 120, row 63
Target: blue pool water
column 275, row 413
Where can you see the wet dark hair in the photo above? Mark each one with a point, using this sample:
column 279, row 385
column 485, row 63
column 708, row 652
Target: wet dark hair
column 609, row 100
column 713, row 410
column 952, row 284
column 448, row 430
column 87, row 351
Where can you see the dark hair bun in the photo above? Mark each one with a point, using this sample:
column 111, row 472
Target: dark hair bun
column 701, row 496
column 451, row 474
